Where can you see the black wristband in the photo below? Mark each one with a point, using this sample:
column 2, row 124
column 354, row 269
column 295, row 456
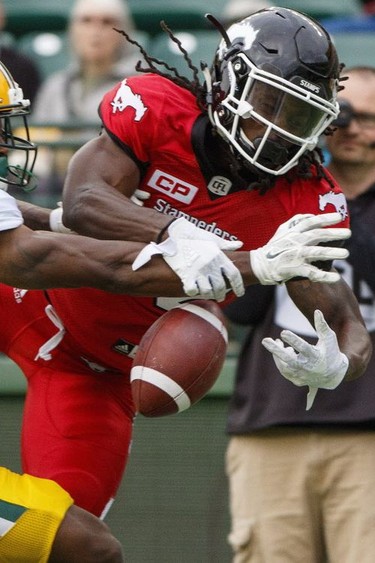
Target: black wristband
column 164, row 229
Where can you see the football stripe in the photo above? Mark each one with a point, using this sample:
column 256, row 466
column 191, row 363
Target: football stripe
column 164, row 383
column 207, row 316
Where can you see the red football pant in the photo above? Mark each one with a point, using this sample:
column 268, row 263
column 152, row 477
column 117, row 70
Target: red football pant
column 77, row 423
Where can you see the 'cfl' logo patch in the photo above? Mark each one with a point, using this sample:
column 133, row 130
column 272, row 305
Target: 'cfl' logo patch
column 219, row 185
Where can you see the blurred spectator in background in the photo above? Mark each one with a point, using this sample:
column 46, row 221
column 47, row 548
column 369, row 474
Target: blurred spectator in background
column 23, row 69
column 100, row 58
column 235, row 10
column 70, row 98
column 302, row 482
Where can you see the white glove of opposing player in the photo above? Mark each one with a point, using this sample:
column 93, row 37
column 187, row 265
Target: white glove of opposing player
column 320, row 366
column 291, row 249
column 197, row 257
column 139, row 197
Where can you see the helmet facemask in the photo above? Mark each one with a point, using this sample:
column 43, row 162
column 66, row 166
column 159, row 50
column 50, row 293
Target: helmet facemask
column 268, row 120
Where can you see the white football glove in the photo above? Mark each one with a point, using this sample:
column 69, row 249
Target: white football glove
column 197, row 257
column 55, row 220
column 320, row 366
column 291, row 249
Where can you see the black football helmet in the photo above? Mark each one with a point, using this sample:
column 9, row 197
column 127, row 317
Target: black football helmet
column 273, row 87
column 13, row 117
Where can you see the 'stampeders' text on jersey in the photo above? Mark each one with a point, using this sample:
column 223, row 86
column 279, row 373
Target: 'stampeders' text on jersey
column 160, row 139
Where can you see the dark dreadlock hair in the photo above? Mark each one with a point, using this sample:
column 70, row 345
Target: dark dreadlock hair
column 311, row 162
column 194, row 86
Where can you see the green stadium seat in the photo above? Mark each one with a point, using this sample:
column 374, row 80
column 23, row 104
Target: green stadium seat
column 48, row 15
column 50, row 50
column 200, row 45
column 37, row 15
column 355, row 48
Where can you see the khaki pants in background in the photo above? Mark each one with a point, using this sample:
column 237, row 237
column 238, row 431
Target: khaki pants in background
column 302, row 496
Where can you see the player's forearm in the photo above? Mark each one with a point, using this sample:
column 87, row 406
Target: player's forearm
column 35, row 217
column 353, row 338
column 357, row 348
column 39, row 259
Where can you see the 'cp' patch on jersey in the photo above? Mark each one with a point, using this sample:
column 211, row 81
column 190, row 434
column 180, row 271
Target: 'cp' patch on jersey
column 172, row 186
column 125, row 97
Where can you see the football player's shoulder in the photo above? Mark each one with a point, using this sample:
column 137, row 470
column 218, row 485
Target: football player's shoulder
column 312, row 194
column 152, row 94
column 315, row 184
column 154, row 85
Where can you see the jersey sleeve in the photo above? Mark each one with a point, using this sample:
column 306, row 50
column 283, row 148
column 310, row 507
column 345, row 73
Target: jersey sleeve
column 10, row 215
column 130, row 115
column 317, row 196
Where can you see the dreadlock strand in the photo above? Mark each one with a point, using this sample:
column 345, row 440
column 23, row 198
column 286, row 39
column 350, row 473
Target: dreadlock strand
column 154, row 64
column 184, row 52
column 133, row 42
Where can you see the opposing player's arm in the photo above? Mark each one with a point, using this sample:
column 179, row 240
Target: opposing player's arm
column 41, row 259
column 341, row 312
column 34, row 216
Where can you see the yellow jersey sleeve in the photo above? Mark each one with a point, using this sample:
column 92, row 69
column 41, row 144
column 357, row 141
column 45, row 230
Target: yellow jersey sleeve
column 31, row 511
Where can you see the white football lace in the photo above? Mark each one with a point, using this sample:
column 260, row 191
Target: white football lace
column 45, row 350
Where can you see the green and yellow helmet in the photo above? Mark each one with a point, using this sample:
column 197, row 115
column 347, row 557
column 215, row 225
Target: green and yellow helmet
column 14, row 110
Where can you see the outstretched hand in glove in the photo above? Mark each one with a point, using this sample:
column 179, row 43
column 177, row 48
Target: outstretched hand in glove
column 295, row 245
column 320, row 366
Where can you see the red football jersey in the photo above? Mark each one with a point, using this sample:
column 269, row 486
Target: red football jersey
column 155, row 121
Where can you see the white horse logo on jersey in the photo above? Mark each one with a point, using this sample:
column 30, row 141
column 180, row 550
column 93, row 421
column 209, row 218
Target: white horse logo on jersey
column 337, row 200
column 125, row 97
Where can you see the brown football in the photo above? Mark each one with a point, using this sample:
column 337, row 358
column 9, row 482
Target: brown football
column 179, row 358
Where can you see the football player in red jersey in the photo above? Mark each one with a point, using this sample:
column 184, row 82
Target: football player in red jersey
column 228, row 164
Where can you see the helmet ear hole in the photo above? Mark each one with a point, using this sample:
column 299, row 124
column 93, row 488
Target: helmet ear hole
column 225, row 115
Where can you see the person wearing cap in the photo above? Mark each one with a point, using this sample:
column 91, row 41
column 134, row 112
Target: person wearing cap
column 100, row 57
